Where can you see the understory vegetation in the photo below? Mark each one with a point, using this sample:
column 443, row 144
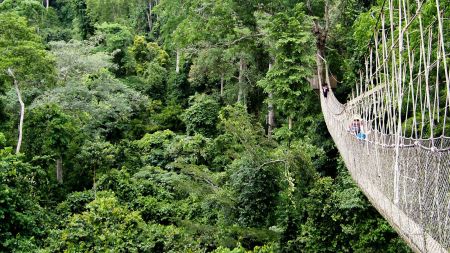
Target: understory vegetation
column 178, row 126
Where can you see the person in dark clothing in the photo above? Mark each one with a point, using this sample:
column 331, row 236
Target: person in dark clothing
column 325, row 89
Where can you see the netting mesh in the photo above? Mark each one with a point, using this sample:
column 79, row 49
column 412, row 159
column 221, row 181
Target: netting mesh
column 417, row 201
column 392, row 135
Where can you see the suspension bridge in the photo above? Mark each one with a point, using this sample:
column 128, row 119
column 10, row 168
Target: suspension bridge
column 401, row 103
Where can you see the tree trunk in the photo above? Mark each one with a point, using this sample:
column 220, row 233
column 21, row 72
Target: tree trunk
column 271, row 113
column 321, row 34
column 95, row 185
column 222, row 80
column 22, row 109
column 241, row 79
column 177, row 67
column 149, row 16
column 47, row 3
column 59, row 170
column 22, row 115
column 290, row 130
column 321, row 38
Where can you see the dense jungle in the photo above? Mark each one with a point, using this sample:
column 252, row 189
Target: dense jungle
column 179, row 126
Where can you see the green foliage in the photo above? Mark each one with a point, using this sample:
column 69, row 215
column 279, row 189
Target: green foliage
column 154, row 77
column 289, row 36
column 256, row 188
column 167, row 117
column 191, row 149
column 113, row 36
column 202, row 115
column 115, row 39
column 32, row 10
column 130, row 13
column 236, row 121
column 51, row 131
column 97, row 154
column 148, row 61
column 103, row 103
column 211, row 65
column 24, row 53
column 107, row 225
column 23, row 220
column 151, row 167
column 75, row 203
column 164, row 147
column 75, row 12
column 91, row 158
column 269, row 248
column 76, row 58
column 363, row 28
column 344, row 211
column 2, row 140
column 153, row 146
column 45, row 20
column 145, row 52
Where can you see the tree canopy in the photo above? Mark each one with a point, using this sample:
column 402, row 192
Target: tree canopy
column 179, row 126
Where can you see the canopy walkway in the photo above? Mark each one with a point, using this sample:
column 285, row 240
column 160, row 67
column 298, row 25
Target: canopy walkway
column 402, row 103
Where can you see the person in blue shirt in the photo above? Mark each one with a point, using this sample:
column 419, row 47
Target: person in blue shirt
column 356, row 128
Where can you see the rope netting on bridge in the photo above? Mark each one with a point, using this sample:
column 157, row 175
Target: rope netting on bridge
column 399, row 154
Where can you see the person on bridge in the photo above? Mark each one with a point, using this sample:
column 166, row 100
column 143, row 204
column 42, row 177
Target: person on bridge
column 325, row 89
column 356, row 127
column 361, row 135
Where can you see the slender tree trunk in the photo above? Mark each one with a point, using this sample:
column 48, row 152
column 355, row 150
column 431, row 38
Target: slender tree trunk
column 22, row 109
column 222, row 80
column 241, row 79
column 22, row 115
column 149, row 15
column 290, row 129
column 47, row 3
column 95, row 185
column 271, row 113
column 59, row 170
column 177, row 67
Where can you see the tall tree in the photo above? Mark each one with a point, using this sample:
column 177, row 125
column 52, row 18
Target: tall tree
column 51, row 133
column 211, row 65
column 24, row 60
column 76, row 12
column 206, row 24
column 289, row 38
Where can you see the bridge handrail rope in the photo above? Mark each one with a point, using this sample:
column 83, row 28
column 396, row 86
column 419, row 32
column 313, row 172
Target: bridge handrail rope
column 345, row 109
column 413, row 142
column 402, row 162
